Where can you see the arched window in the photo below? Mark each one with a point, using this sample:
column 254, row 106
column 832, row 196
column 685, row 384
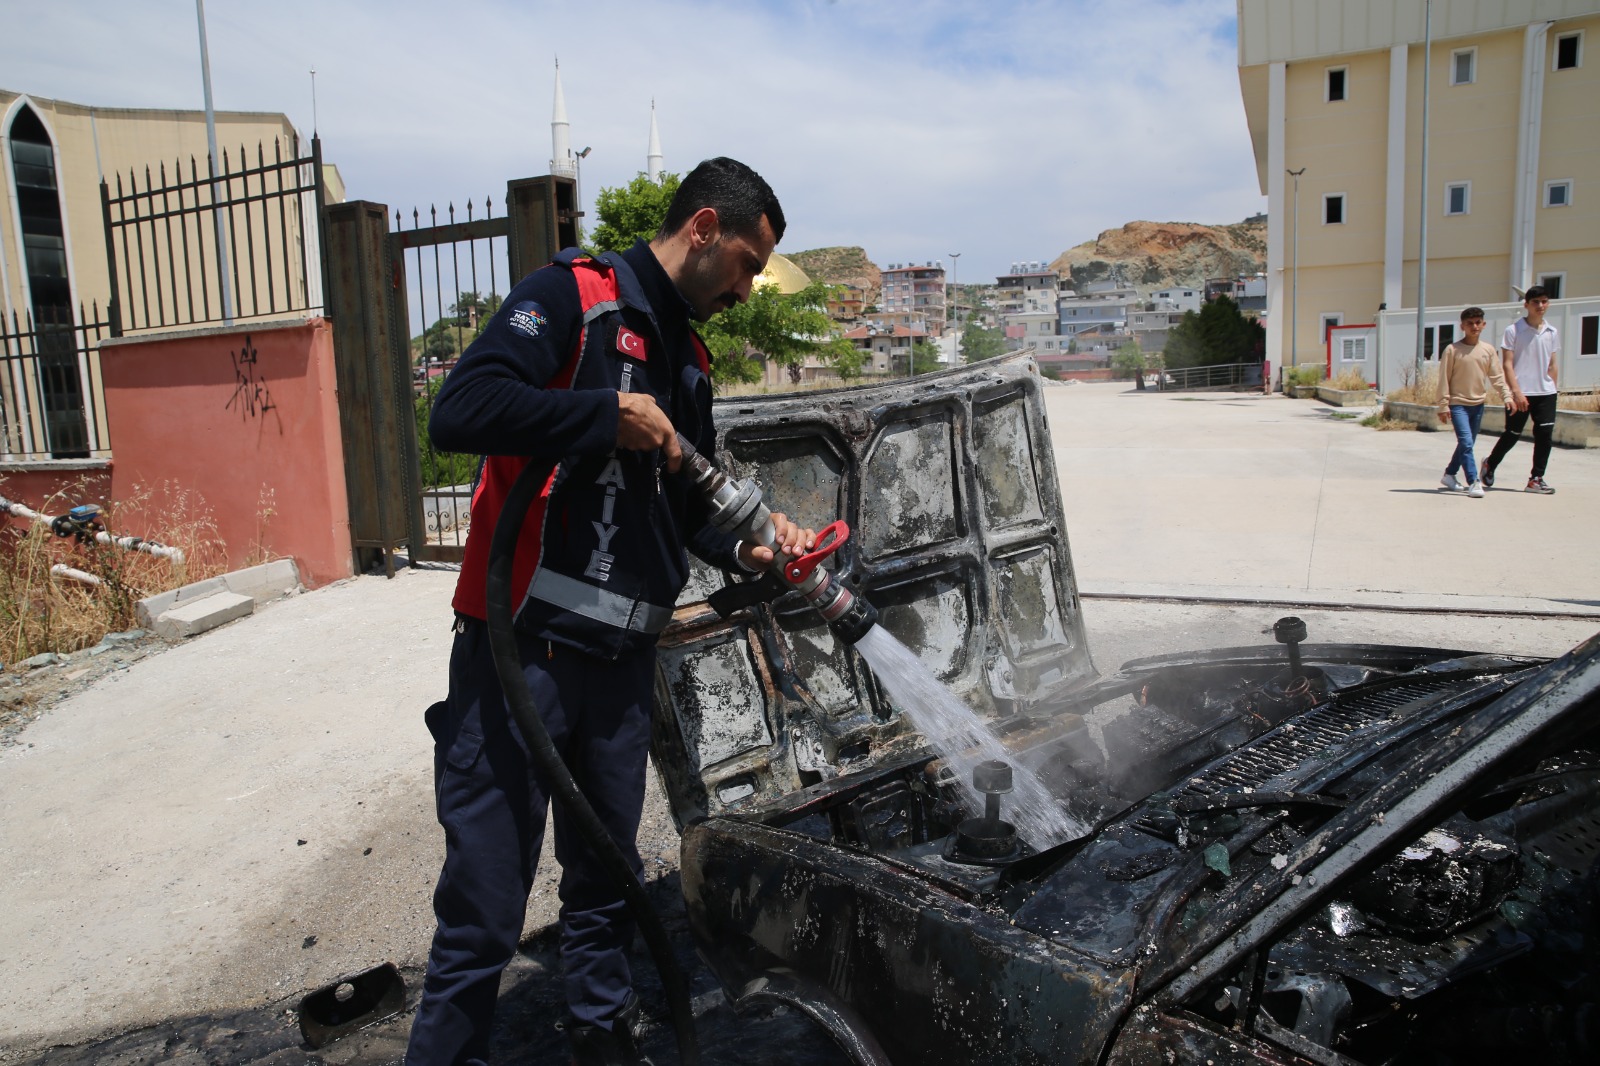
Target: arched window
column 33, row 167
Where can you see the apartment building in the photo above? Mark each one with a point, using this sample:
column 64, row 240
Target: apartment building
column 1029, row 287
column 1333, row 93
column 916, row 289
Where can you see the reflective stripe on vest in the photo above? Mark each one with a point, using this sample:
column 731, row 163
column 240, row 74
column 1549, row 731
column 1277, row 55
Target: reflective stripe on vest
column 598, row 604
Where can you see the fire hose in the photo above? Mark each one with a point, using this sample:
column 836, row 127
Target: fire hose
column 735, row 508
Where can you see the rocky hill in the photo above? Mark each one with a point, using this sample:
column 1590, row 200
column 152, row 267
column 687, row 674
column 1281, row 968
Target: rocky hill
column 1159, row 255
column 840, row 266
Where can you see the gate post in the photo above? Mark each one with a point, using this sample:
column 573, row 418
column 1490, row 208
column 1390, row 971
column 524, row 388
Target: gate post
column 544, row 219
column 376, row 410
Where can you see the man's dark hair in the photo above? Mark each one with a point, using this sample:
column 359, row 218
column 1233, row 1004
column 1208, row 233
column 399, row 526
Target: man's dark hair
column 1472, row 312
column 739, row 194
column 1536, row 292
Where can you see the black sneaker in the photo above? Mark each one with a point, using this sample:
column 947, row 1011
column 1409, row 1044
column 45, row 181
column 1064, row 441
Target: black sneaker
column 1536, row 484
column 1487, row 474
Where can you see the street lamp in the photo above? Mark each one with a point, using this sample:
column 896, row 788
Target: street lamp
column 1294, row 292
column 955, row 305
column 577, row 182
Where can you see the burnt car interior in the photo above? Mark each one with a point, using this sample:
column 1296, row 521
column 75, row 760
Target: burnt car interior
column 1328, row 853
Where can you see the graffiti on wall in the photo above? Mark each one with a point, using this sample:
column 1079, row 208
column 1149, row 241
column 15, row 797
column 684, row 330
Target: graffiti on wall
column 251, row 397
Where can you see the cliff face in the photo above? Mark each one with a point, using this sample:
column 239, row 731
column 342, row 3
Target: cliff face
column 1160, row 255
column 840, row 266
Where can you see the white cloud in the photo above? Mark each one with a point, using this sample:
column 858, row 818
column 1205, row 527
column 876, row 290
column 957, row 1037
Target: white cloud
column 1004, row 132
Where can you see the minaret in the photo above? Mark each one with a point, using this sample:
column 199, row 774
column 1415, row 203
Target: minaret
column 561, row 160
column 653, row 160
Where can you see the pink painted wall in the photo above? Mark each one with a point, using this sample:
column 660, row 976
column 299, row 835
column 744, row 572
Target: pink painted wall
column 239, row 415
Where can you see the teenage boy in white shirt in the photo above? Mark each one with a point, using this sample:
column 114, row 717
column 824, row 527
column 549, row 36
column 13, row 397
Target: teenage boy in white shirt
column 1528, row 350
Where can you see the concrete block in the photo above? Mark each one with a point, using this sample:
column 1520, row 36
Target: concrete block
column 264, row 582
column 197, row 616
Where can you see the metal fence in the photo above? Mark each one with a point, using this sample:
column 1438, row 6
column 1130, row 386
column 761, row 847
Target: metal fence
column 239, row 242
column 51, row 402
column 1227, row 375
column 441, row 264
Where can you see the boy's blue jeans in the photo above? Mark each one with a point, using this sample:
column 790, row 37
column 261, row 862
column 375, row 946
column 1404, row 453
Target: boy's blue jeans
column 1466, row 420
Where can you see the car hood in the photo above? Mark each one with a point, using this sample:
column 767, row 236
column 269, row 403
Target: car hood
column 957, row 536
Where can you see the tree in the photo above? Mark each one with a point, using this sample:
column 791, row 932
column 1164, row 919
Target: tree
column 1217, row 334
column 783, row 329
column 1128, row 360
column 978, row 343
column 631, row 213
column 925, row 358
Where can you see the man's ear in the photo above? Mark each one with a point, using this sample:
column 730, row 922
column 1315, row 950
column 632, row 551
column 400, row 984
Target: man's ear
column 704, row 228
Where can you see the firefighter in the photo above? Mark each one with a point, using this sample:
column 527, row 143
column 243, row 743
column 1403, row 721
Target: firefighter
column 588, row 369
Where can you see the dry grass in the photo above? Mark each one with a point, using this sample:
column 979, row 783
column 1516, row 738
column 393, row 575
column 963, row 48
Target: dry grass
column 1412, row 390
column 1580, row 401
column 1349, row 379
column 40, row 612
column 1385, row 425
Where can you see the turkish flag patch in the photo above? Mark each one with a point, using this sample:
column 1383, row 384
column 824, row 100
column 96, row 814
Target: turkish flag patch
column 631, row 344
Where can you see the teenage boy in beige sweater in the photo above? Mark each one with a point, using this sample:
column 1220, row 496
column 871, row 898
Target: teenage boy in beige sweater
column 1465, row 370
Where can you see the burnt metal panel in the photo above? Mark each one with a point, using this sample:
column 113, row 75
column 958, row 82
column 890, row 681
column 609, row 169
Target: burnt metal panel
column 949, row 486
column 960, row 983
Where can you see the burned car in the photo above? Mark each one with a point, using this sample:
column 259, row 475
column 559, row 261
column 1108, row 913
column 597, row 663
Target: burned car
column 1299, row 852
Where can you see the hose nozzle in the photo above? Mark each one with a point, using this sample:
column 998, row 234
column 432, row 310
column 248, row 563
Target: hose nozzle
column 735, row 507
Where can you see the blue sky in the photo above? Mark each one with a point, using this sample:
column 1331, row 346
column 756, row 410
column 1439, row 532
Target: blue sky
column 914, row 129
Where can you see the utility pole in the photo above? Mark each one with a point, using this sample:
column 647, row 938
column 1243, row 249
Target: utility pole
column 1422, row 236
column 1294, row 290
column 955, row 306
column 225, row 282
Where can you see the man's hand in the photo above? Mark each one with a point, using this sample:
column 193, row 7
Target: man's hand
column 1444, row 416
column 792, row 540
column 642, row 426
column 1519, row 402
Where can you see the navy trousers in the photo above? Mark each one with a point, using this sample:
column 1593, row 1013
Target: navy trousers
column 492, row 808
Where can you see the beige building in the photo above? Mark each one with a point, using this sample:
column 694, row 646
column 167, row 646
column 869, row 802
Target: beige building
column 53, row 258
column 1333, row 92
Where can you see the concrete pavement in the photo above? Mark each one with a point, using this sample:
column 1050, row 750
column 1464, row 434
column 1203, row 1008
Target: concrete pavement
column 1263, row 497
column 248, row 815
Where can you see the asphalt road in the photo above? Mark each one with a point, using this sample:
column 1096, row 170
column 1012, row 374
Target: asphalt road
column 193, row 843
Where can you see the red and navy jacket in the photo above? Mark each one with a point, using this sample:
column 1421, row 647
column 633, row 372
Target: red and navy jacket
column 602, row 553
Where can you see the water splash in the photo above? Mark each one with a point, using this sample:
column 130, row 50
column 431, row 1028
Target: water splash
column 963, row 740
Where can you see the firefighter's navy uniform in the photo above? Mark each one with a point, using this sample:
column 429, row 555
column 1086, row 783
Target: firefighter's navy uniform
column 602, row 560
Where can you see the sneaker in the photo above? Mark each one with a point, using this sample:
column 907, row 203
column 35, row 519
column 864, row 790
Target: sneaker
column 1536, row 484
column 1449, row 483
column 1475, row 490
column 1488, row 476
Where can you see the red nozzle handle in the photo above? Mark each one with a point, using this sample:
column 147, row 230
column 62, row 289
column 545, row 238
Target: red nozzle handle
column 830, row 540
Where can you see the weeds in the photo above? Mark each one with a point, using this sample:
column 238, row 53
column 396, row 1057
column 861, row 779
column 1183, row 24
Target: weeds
column 1349, row 380
column 1580, row 401
column 1386, row 425
column 1305, row 374
column 40, row 612
column 1414, row 390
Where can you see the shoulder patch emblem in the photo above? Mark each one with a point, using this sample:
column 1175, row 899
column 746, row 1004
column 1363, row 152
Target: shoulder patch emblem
column 528, row 319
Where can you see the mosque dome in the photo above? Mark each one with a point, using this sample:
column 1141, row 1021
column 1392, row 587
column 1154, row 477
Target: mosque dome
column 782, row 273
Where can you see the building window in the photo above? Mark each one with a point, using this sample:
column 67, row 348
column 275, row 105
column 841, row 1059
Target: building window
column 1464, row 66
column 1333, row 209
column 1337, row 77
column 1589, row 335
column 1335, row 318
column 1458, row 197
column 1436, row 339
column 1353, row 350
column 1552, row 284
column 1558, row 194
column 1569, row 51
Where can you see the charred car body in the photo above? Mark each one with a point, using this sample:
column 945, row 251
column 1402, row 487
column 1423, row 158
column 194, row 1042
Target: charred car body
column 1293, row 853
